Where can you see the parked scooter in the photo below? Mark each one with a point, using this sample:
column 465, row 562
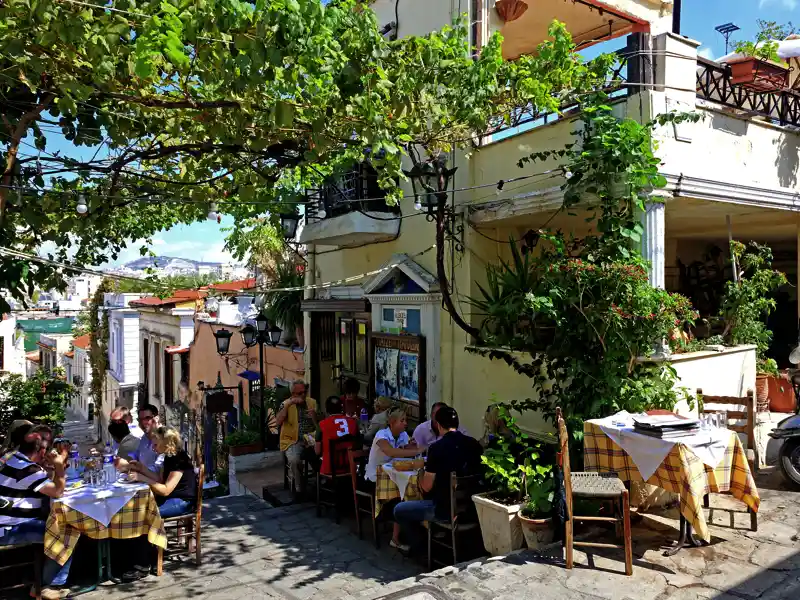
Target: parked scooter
column 788, row 430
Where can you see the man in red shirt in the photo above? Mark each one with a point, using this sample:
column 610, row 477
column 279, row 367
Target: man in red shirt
column 334, row 426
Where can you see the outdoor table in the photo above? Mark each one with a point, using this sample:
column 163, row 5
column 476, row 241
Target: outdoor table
column 392, row 484
column 674, row 466
column 118, row 510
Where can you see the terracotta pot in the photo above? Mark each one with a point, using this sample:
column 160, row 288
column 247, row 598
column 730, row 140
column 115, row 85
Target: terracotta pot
column 510, row 10
column 758, row 75
column 253, row 448
column 781, row 394
column 762, row 393
column 501, row 528
column 538, row 533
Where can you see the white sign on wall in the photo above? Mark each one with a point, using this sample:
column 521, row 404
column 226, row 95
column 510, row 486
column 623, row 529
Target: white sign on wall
column 401, row 318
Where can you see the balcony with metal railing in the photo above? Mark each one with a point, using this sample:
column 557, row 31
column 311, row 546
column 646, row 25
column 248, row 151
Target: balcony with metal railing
column 714, row 83
column 349, row 210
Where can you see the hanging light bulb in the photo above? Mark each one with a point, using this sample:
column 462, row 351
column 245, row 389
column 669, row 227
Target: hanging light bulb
column 417, row 203
column 81, row 207
column 500, row 185
column 212, row 211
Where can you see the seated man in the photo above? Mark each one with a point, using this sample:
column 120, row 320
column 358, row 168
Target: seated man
column 352, row 403
column 453, row 453
column 147, row 459
column 297, row 419
column 125, row 442
column 123, row 413
column 427, row 433
column 24, row 491
column 335, row 425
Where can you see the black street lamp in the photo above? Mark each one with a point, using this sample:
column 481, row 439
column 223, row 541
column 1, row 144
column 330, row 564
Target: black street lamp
column 289, row 224
column 261, row 334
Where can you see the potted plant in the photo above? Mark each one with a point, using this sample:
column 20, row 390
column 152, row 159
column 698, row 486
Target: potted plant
column 284, row 307
column 508, row 461
column 746, row 304
column 760, row 68
column 537, row 524
column 243, row 442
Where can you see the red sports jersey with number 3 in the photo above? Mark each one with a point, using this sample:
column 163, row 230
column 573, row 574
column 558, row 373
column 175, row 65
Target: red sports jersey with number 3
column 332, row 428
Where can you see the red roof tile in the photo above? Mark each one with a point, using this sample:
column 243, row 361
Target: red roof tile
column 82, row 341
column 235, row 286
column 178, row 297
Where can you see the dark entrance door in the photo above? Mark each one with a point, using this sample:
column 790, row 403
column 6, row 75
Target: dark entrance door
column 353, row 336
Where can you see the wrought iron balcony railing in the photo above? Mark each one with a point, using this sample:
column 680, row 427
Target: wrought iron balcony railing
column 781, row 107
column 356, row 190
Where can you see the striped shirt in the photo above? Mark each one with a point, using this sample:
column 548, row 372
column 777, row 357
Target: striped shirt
column 20, row 498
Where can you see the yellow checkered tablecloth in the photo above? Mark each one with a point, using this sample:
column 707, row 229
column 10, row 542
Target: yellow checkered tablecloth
column 386, row 489
column 138, row 517
column 681, row 472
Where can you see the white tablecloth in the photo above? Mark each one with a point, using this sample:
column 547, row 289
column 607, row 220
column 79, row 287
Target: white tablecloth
column 648, row 452
column 400, row 478
column 101, row 503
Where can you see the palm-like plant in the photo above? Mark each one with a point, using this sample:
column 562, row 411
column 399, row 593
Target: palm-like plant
column 284, row 307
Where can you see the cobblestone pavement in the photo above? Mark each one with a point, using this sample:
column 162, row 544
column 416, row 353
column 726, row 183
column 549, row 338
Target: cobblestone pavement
column 738, row 564
column 252, row 550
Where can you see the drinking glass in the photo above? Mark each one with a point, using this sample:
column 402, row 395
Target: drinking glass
column 723, row 418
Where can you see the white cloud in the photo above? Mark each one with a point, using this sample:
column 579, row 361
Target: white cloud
column 787, row 4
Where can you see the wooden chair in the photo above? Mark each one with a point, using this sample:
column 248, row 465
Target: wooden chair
column 327, row 484
column 748, row 415
column 192, row 522
column 598, row 486
column 37, row 562
column 462, row 516
column 363, row 500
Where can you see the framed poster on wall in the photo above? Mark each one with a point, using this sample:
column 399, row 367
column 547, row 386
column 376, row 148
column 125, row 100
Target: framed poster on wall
column 398, row 371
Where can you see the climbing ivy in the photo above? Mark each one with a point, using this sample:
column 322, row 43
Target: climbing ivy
column 582, row 309
column 98, row 328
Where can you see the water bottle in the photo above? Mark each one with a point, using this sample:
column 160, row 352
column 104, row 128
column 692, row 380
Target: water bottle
column 74, row 455
column 108, row 455
column 364, row 419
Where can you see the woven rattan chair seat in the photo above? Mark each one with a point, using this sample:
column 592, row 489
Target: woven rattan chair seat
column 597, row 485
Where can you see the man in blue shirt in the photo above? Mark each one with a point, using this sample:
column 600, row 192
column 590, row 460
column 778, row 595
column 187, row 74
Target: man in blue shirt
column 147, row 460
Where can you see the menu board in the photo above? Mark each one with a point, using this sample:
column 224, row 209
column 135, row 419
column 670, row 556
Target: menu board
column 398, row 370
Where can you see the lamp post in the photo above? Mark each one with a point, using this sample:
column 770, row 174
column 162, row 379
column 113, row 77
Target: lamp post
column 261, row 334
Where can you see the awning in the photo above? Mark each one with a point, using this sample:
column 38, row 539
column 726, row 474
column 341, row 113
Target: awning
column 176, row 349
column 589, row 22
column 250, row 375
column 69, row 354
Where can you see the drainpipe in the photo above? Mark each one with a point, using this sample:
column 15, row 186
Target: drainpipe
column 309, row 280
column 676, row 17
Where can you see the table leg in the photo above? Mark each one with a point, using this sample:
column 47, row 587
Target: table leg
column 686, row 539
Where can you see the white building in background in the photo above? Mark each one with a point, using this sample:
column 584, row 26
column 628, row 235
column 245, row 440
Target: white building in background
column 122, row 376
column 53, row 349
column 79, row 374
column 83, row 287
column 12, row 347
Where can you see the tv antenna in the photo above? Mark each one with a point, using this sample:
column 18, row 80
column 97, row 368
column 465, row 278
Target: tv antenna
column 726, row 30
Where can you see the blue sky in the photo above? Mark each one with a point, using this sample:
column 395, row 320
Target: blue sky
column 701, row 16
column 205, row 240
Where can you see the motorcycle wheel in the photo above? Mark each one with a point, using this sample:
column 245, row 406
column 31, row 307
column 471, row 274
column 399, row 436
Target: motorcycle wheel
column 790, row 462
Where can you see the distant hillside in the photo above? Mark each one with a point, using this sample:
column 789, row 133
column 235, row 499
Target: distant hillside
column 162, row 262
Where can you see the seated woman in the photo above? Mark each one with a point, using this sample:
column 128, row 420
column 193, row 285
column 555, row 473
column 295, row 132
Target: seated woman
column 390, row 442
column 178, row 493
column 380, row 420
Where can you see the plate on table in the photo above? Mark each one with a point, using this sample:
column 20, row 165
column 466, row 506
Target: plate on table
column 124, row 478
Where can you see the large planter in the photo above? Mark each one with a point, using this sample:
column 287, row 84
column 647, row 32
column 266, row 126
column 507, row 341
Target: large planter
column 538, row 533
column 253, row 448
column 781, row 394
column 762, row 393
column 501, row 527
column 758, row 75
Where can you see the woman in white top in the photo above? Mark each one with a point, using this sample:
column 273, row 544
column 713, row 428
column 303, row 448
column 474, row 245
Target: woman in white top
column 391, row 442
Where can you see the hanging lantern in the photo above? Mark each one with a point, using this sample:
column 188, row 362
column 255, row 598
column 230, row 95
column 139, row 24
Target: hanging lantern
column 510, row 10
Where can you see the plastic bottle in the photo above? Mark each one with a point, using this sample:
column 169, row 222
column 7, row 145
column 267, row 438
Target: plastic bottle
column 74, row 455
column 108, row 455
column 109, row 471
column 364, row 415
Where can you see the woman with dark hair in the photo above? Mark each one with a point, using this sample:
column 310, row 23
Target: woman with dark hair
column 352, row 403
